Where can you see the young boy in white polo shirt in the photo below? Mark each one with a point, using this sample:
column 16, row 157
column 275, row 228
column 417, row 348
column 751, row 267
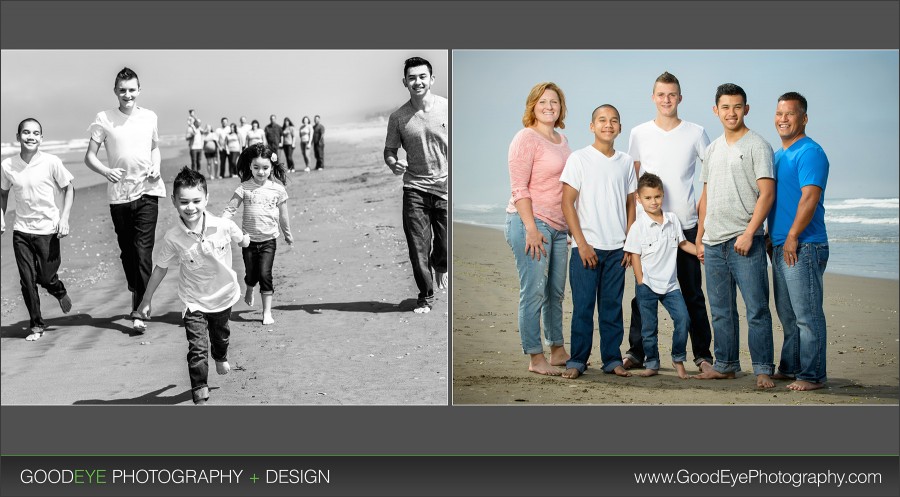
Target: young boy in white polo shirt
column 38, row 179
column 653, row 242
column 201, row 245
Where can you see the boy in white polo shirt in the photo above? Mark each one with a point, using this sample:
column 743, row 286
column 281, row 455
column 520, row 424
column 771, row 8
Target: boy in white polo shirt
column 653, row 242
column 598, row 187
column 38, row 179
column 201, row 245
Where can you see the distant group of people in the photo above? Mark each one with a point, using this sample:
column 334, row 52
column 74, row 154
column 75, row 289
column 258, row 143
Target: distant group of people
column 199, row 244
column 225, row 143
column 639, row 210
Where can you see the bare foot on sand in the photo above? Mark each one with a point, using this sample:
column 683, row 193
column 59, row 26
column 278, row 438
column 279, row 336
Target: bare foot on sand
column 621, row 371
column 36, row 333
column 138, row 325
column 779, row 376
column 679, row 368
column 222, row 367
column 803, row 386
column 268, row 319
column 201, row 396
column 704, row 366
column 540, row 365
column 629, row 363
column 571, row 374
column 712, row 374
column 764, row 381
column 558, row 355
column 248, row 296
column 648, row 372
column 65, row 303
column 442, row 280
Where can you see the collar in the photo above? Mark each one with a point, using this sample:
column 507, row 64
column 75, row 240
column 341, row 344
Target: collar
column 648, row 221
column 194, row 234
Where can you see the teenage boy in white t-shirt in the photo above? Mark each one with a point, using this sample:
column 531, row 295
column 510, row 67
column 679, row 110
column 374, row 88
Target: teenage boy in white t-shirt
column 131, row 138
column 598, row 204
column 200, row 245
column 37, row 179
column 653, row 242
column 672, row 148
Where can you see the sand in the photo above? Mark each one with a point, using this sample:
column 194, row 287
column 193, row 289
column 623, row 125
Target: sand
column 489, row 367
column 344, row 334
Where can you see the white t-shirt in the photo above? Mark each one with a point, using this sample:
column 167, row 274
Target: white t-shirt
column 604, row 185
column 129, row 140
column 657, row 244
column 206, row 281
column 242, row 132
column 38, row 188
column 672, row 155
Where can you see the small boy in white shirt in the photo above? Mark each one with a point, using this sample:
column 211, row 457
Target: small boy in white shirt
column 201, row 245
column 653, row 242
column 37, row 179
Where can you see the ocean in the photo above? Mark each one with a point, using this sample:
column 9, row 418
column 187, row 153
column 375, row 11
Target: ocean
column 863, row 233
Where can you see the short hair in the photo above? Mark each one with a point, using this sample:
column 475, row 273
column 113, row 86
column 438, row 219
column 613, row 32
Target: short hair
column 26, row 120
column 416, row 62
column 649, row 180
column 317, row 117
column 188, row 178
column 730, row 89
column 534, row 95
column 272, row 116
column 223, row 119
column 667, row 78
column 124, row 75
column 794, row 96
column 604, row 106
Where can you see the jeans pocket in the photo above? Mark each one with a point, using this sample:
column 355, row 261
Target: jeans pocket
column 822, row 254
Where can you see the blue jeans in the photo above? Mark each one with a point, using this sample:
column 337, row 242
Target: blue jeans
column 725, row 268
column 258, row 260
column 425, row 227
column 542, row 284
column 674, row 303
column 203, row 328
column 799, row 291
column 38, row 259
column 601, row 287
column 135, row 224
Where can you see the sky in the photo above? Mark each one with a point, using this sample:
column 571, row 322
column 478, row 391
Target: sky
column 852, row 95
column 65, row 89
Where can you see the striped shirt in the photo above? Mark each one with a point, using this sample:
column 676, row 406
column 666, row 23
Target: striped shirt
column 261, row 203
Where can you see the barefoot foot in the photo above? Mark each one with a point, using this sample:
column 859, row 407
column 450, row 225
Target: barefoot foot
column 36, row 333
column 558, row 355
column 764, row 381
column 138, row 325
column 704, row 366
column 679, row 368
column 571, row 374
column 268, row 319
column 629, row 363
column 780, row 376
column 540, row 365
column 803, row 386
column 201, row 396
column 248, row 296
column 222, row 367
column 65, row 303
column 648, row 372
column 621, row 371
column 442, row 280
column 712, row 374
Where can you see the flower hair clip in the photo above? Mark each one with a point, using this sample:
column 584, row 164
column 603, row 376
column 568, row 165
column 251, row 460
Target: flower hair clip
column 274, row 157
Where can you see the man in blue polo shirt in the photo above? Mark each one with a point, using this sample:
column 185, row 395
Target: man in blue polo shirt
column 800, row 246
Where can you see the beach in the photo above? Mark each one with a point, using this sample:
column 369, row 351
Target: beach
column 345, row 333
column 489, row 367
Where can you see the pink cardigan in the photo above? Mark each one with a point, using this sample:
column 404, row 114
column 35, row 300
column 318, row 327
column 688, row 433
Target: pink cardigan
column 535, row 165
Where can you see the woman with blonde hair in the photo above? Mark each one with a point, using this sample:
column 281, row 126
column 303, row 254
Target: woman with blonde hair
column 536, row 229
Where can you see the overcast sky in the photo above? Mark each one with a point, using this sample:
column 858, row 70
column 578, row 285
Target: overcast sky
column 65, row 89
column 853, row 106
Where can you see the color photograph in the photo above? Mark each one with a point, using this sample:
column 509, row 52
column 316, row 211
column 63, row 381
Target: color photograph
column 226, row 227
column 626, row 231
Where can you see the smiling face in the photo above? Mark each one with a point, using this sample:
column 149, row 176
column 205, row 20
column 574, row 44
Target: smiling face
column 260, row 168
column 191, row 203
column 30, row 137
column 606, row 125
column 418, row 81
column 547, row 107
column 731, row 110
column 127, row 91
column 667, row 96
column 651, row 199
column 790, row 121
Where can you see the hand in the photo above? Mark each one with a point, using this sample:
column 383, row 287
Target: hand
column 743, row 244
column 114, row 175
column 62, row 230
column 790, row 251
column 399, row 167
column 153, row 175
column 289, row 239
column 588, row 256
column 769, row 247
column 144, row 309
column 701, row 250
column 534, row 244
column 626, row 260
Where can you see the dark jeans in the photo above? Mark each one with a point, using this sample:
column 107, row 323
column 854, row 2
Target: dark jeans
column 135, row 224
column 223, row 159
column 648, row 301
column 38, row 258
column 289, row 156
column 201, row 329
column 196, row 156
column 232, row 162
column 424, row 221
column 690, row 279
column 319, row 151
column 258, row 259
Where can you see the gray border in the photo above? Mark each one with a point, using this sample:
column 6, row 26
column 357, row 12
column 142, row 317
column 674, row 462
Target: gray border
column 451, row 430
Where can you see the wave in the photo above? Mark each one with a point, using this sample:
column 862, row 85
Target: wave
column 484, row 208
column 863, row 203
column 477, row 223
column 863, row 239
column 860, row 220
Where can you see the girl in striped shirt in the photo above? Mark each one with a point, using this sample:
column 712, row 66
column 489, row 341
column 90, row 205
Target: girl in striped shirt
column 265, row 216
